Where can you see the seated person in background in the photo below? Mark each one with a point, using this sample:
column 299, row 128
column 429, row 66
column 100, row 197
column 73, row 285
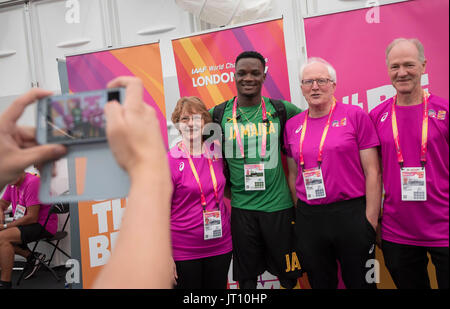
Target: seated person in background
column 27, row 226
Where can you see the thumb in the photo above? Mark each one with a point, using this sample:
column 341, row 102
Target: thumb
column 41, row 154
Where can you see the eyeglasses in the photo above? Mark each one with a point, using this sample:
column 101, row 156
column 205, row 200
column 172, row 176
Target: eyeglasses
column 320, row 82
column 194, row 118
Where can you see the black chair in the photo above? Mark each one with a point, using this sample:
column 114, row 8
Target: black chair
column 58, row 209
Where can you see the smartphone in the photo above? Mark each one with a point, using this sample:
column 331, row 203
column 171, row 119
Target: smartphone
column 75, row 118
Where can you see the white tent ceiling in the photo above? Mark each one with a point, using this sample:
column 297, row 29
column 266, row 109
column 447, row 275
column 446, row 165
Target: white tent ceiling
column 225, row 12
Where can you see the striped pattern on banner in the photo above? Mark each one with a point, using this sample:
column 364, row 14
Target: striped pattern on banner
column 205, row 62
column 94, row 70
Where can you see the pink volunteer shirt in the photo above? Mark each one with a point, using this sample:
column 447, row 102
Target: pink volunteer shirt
column 187, row 214
column 351, row 130
column 412, row 222
column 27, row 194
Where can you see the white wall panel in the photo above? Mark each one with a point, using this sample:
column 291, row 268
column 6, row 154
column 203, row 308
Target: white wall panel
column 57, row 33
column 141, row 21
column 315, row 7
column 15, row 74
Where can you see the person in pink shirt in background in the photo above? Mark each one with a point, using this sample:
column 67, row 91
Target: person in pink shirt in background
column 335, row 177
column 200, row 221
column 413, row 128
column 29, row 218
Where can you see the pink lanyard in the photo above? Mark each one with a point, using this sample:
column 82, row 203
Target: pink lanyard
column 238, row 136
column 197, row 178
column 423, row 147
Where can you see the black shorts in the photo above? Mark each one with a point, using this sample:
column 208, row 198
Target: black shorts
column 32, row 232
column 264, row 241
column 408, row 265
column 204, row 273
column 334, row 232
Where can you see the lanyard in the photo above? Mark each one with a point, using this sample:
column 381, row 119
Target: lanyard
column 236, row 129
column 322, row 141
column 423, row 147
column 213, row 177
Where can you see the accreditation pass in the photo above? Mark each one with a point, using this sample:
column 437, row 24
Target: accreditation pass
column 20, row 212
column 254, row 177
column 413, row 180
column 212, row 225
column 314, row 185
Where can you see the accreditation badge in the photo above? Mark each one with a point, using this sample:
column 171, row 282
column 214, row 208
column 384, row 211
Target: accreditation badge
column 314, row 185
column 212, row 224
column 20, row 212
column 413, row 180
column 254, row 177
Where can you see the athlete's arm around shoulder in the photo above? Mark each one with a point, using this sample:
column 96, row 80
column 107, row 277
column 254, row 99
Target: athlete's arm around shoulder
column 291, row 109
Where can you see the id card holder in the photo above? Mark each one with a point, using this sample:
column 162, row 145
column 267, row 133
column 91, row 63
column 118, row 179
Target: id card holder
column 413, row 181
column 314, row 185
column 20, row 212
column 254, row 177
column 212, row 225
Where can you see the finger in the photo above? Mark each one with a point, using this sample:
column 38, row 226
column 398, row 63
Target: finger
column 27, row 134
column 25, row 137
column 115, row 122
column 134, row 90
column 54, row 172
column 41, row 154
column 28, row 144
column 15, row 110
column 113, row 114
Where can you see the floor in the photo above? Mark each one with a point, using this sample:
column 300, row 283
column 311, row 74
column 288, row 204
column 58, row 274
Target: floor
column 42, row 279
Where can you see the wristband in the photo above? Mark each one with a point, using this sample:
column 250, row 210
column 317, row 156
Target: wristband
column 5, row 226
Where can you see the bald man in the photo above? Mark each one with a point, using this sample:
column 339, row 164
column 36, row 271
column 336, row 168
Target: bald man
column 413, row 128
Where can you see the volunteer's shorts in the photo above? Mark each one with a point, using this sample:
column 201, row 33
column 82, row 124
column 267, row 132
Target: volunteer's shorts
column 32, row 232
column 264, row 241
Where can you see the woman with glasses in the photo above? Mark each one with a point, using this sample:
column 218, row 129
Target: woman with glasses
column 200, row 221
column 335, row 178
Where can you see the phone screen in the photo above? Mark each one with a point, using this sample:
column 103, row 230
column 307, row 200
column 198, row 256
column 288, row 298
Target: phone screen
column 77, row 117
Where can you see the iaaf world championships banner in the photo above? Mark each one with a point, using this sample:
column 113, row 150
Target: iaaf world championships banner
column 205, row 62
column 93, row 71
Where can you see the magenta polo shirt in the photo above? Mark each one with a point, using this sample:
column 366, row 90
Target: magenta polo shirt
column 27, row 194
column 351, row 130
column 186, row 212
column 412, row 222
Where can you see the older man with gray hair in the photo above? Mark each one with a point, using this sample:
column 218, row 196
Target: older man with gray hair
column 413, row 128
column 335, row 178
